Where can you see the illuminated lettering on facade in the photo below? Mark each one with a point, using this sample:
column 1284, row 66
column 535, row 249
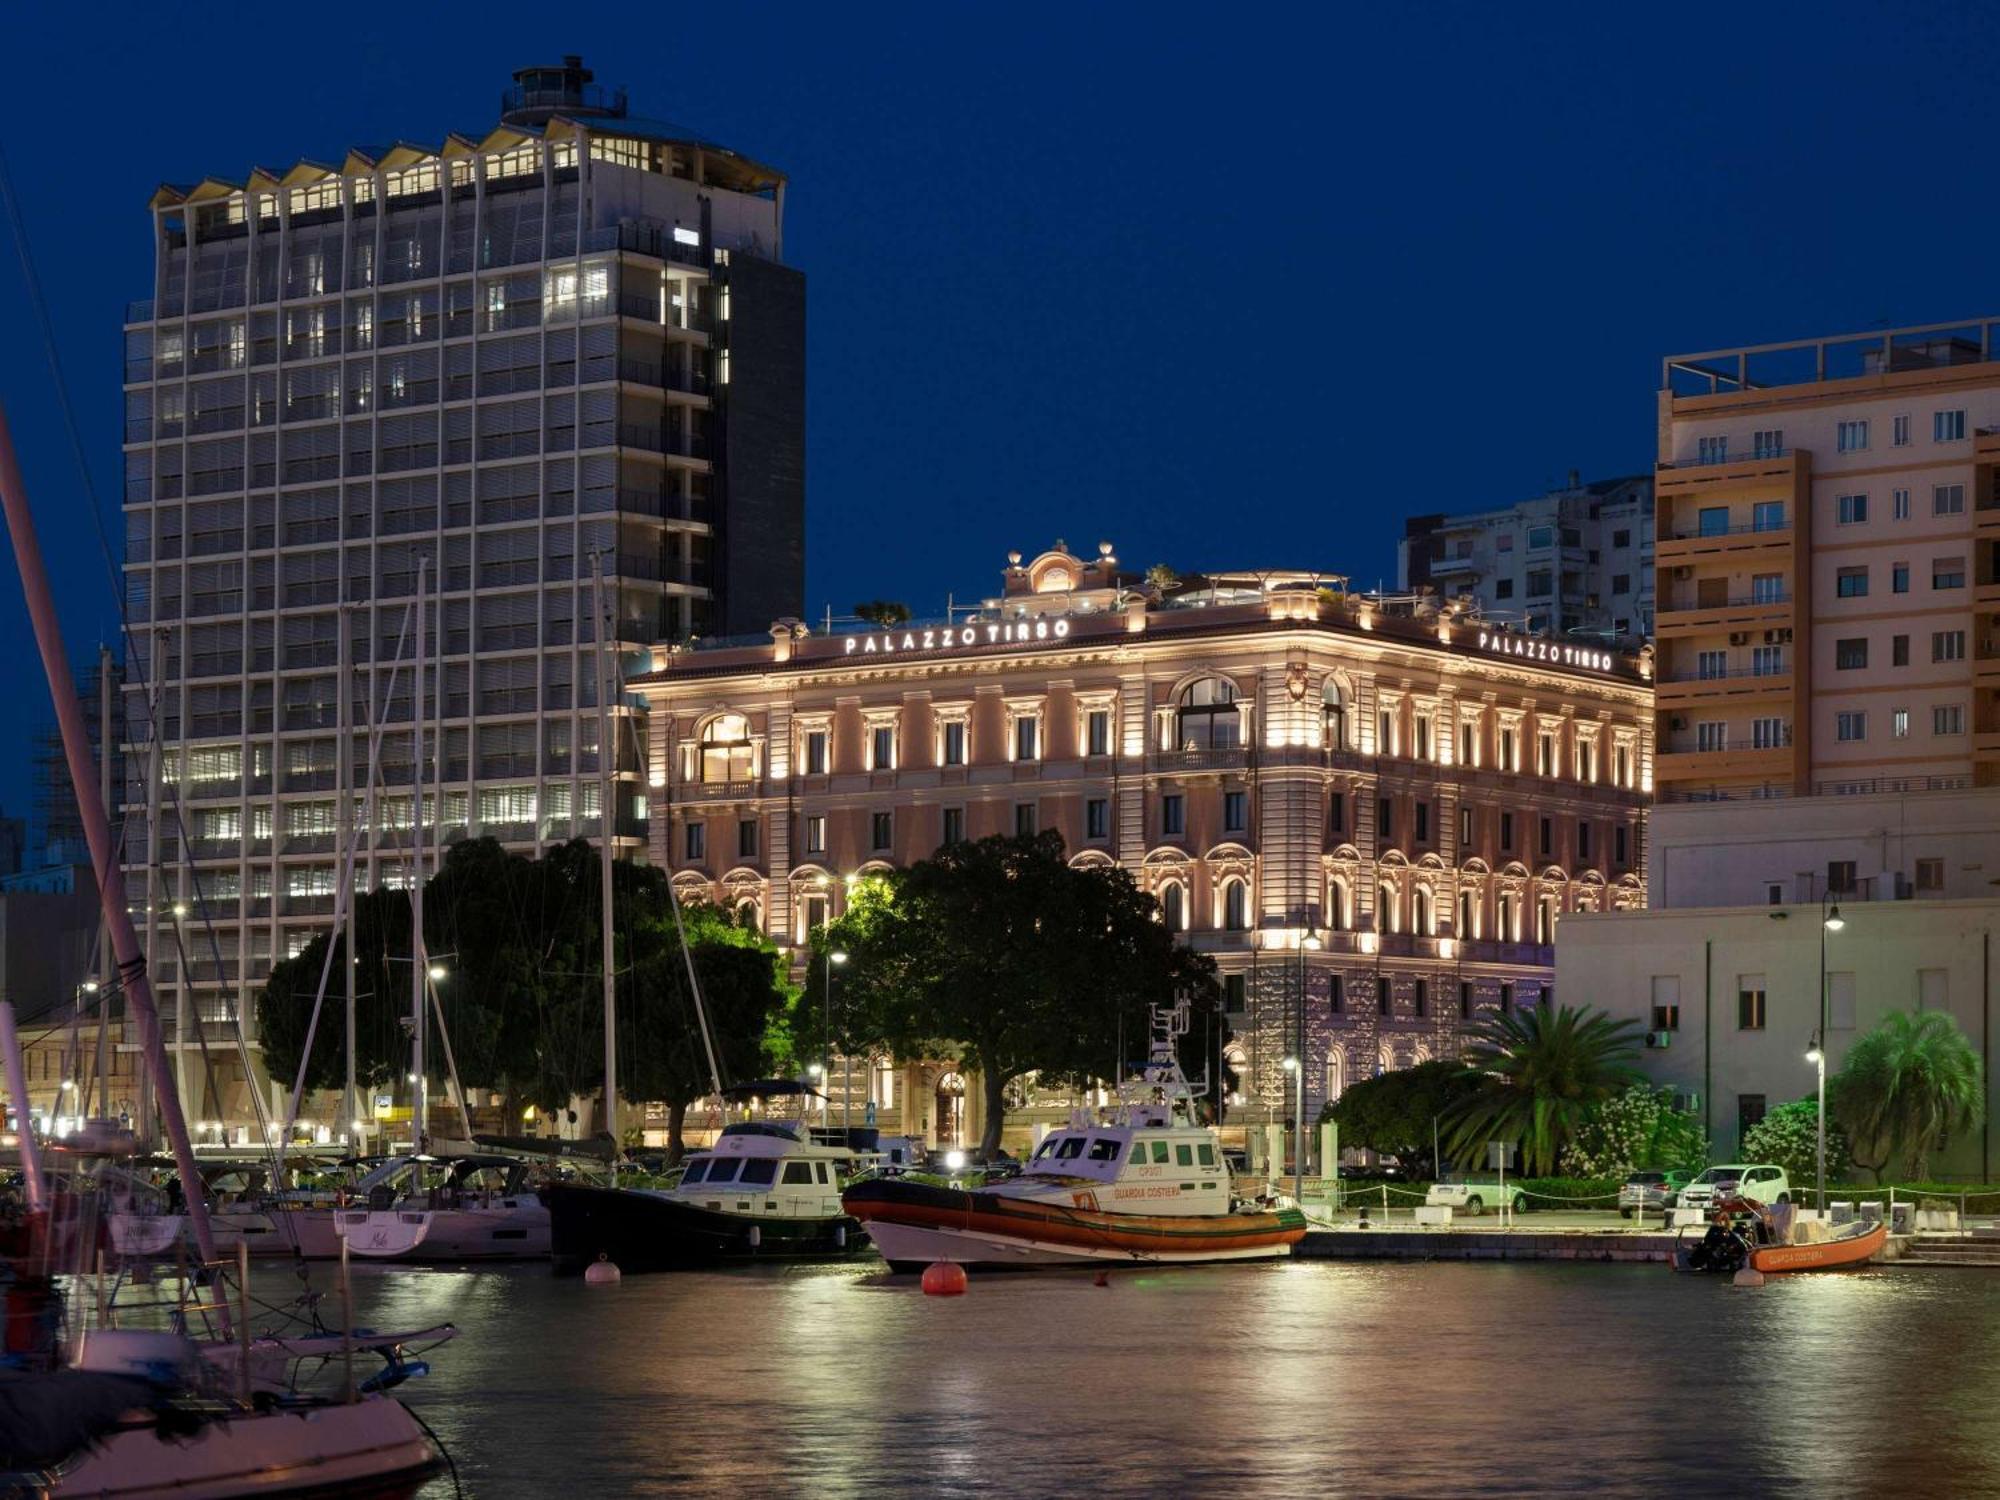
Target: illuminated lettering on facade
column 1555, row 653
column 958, row 637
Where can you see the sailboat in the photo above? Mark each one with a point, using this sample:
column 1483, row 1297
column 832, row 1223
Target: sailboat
column 767, row 1189
column 368, row 1444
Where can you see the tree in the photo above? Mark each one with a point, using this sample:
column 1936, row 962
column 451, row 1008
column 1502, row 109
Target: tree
column 1636, row 1131
column 1162, row 578
column 1540, row 1073
column 1788, row 1137
column 1905, row 1089
column 882, row 612
column 1395, row 1113
column 1003, row 955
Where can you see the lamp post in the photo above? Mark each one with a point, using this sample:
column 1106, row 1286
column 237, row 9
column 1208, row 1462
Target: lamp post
column 1298, row 1072
column 1306, row 941
column 834, row 958
column 1816, row 1055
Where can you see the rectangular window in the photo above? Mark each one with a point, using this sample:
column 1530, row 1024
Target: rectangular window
column 1899, row 723
column 1506, row 830
column 1712, row 520
column 1235, row 993
column 1548, row 837
column 1851, row 437
column 1423, row 822
column 816, row 752
column 1947, row 572
column 1899, row 578
column 1507, row 997
column 1385, row 996
column 1621, row 538
column 1711, row 664
column 1541, row 536
column 1899, row 651
column 1582, row 839
column 1850, row 724
column 1711, row 734
column 1948, row 645
column 1420, row 997
column 1851, row 583
column 954, row 743
column 1900, row 503
column 1711, row 450
column 1465, row 999
column 1750, row 1002
column 1027, row 741
column 1767, row 588
column 1749, row 1115
column 882, row 745
column 1465, row 826
column 1097, row 818
column 881, row 826
column 815, row 833
column 953, row 829
column 1336, row 813
column 1899, row 431
column 1765, row 661
column 1850, row 510
column 1948, row 500
column 1666, row 1002
column 1621, row 583
column 1508, row 759
column 1768, row 734
column 1839, row 877
column 1948, row 426
column 1930, row 877
column 1385, row 818
column 1173, row 816
column 1619, row 837
column 1336, row 998
column 1767, row 443
column 1545, row 754
column 746, row 838
column 1947, row 718
column 1850, row 654
column 1540, row 583
column 1024, row 820
column 1097, row 732
column 697, row 842
column 1235, row 815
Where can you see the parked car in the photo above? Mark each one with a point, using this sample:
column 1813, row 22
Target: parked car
column 1650, row 1190
column 1758, row 1180
column 1474, row 1197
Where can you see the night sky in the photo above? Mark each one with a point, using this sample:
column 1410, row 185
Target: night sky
column 1224, row 287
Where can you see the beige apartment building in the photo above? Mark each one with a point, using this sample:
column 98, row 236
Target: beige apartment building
column 1827, row 591
column 1369, row 810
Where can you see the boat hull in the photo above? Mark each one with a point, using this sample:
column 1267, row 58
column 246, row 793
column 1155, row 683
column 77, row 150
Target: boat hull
column 641, row 1230
column 517, row 1232
column 914, row 1224
column 1840, row 1254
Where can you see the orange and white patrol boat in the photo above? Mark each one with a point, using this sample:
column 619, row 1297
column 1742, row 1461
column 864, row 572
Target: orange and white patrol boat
column 1147, row 1183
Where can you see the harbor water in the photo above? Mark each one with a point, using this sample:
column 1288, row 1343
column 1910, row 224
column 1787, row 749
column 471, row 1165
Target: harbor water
column 1285, row 1379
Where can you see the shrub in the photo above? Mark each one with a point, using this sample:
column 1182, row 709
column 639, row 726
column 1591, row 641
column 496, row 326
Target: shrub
column 1788, row 1137
column 1638, row 1130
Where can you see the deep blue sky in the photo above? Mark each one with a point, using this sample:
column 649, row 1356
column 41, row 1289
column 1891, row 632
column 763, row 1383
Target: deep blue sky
column 1223, row 286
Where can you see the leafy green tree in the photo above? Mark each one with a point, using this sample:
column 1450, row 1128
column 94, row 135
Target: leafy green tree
column 1395, row 1113
column 1905, row 1089
column 1636, row 1131
column 1541, row 1071
column 882, row 612
column 1788, row 1137
column 1003, row 955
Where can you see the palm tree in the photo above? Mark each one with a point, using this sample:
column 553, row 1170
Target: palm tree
column 1541, row 1073
column 1905, row 1089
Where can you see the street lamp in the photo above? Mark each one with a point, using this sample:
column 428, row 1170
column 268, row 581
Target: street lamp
column 436, row 971
column 1298, row 1073
column 1816, row 1055
column 834, row 958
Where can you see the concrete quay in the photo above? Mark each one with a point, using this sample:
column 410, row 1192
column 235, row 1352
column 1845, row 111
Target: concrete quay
column 1485, row 1244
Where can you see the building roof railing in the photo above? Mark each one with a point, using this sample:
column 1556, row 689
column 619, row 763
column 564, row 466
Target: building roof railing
column 1753, row 367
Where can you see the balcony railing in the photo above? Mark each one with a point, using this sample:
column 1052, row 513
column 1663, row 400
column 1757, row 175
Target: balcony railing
column 1731, row 674
column 1702, row 533
column 1709, row 461
column 1734, row 601
column 1859, row 786
column 1691, row 745
column 1221, row 757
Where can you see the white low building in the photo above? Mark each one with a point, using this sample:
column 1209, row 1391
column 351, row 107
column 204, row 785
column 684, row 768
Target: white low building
column 1730, row 998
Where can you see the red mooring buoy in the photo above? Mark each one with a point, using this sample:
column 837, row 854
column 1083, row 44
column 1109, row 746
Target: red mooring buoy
column 944, row 1278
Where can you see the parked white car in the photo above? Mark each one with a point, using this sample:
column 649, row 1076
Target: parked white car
column 1761, row 1181
column 1474, row 1197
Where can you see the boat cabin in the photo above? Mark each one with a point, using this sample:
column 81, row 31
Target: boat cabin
column 766, row 1167
column 1155, row 1169
column 420, row 1182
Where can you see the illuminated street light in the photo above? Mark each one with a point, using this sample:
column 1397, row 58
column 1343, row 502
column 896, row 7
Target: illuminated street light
column 436, row 972
column 1816, row 1055
column 180, row 909
column 1293, row 1067
column 1834, row 920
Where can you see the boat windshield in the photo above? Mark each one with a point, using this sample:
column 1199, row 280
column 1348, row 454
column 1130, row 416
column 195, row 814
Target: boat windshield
column 723, row 1169
column 1105, row 1148
column 696, row 1168
column 760, row 1169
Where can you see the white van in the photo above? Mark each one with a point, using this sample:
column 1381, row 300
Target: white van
column 1761, row 1181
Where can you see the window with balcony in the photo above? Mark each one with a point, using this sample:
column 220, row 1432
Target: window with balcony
column 1851, row 437
column 1207, row 718
column 1767, row 661
column 1768, row 588
column 1850, row 654
column 726, row 751
column 1768, row 443
column 1850, row 510
column 1711, row 450
column 1850, row 724
column 1711, row 734
column 1710, row 664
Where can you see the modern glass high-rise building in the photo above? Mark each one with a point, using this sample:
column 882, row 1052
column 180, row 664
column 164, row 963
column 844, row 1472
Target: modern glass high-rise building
column 500, row 356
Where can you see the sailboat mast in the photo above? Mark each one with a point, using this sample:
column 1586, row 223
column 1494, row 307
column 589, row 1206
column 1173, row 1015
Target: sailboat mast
column 343, row 771
column 417, row 975
column 97, row 832
column 606, row 825
column 104, row 744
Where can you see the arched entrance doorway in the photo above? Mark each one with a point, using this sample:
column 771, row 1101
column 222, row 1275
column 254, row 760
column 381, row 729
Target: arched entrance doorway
column 951, row 1110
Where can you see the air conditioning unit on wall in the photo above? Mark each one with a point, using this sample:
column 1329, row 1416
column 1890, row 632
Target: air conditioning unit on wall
column 1659, row 1039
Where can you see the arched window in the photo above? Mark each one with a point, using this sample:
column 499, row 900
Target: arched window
column 1333, row 717
column 1545, row 920
column 1207, row 718
column 1173, row 906
column 1390, row 900
column 1423, row 924
column 726, row 754
column 746, row 913
column 1336, row 1073
column 1468, row 926
column 1235, row 905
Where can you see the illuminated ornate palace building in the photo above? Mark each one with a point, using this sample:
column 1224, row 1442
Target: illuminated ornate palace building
column 1371, row 811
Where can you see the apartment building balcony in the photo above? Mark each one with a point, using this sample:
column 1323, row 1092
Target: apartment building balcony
column 690, row 383
column 1221, row 758
column 1749, row 541
column 1464, row 569
column 1738, row 685
column 649, row 439
column 1685, row 611
column 1678, row 759
column 715, row 791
